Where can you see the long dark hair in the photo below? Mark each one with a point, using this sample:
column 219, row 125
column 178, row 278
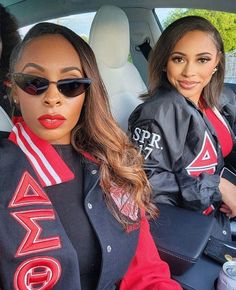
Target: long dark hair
column 9, row 37
column 96, row 132
column 164, row 46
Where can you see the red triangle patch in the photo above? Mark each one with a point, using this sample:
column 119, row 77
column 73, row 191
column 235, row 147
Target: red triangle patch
column 28, row 192
column 206, row 160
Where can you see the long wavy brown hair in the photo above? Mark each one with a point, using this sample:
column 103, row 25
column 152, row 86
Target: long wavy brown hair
column 97, row 132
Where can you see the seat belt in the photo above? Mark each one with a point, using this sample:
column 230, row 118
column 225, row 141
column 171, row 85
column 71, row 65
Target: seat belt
column 145, row 48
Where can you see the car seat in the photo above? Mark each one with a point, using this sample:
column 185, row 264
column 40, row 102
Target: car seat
column 5, row 121
column 110, row 41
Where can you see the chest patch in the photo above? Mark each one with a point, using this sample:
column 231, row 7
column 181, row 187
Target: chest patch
column 124, row 202
column 39, row 272
column 206, row 159
column 28, row 192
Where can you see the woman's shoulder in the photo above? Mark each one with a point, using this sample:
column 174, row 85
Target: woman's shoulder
column 165, row 96
column 227, row 96
column 8, row 149
column 165, row 101
column 12, row 158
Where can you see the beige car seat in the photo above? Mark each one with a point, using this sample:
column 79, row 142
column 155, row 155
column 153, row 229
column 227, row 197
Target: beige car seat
column 110, row 41
column 5, row 122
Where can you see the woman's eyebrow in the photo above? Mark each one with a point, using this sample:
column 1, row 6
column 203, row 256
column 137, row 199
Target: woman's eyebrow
column 177, row 52
column 204, row 53
column 199, row 54
column 34, row 65
column 70, row 68
column 39, row 67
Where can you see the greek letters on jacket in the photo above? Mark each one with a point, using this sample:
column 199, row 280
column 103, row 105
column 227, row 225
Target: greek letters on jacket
column 154, row 133
column 180, row 148
column 35, row 250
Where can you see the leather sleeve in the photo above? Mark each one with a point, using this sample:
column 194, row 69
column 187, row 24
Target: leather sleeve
column 228, row 107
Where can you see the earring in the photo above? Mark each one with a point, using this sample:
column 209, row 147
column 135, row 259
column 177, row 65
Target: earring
column 15, row 101
column 215, row 70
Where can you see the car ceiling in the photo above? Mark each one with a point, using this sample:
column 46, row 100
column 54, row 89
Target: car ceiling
column 31, row 11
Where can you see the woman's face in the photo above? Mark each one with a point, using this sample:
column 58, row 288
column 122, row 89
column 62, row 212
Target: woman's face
column 50, row 115
column 191, row 64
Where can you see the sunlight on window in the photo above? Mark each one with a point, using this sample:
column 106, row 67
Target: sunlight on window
column 79, row 23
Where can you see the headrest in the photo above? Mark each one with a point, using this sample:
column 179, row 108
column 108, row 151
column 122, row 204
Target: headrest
column 5, row 122
column 110, row 33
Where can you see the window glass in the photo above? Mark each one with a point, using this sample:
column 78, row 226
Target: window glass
column 79, row 23
column 223, row 21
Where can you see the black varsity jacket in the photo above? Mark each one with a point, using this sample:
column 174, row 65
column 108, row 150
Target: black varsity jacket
column 35, row 251
column 183, row 158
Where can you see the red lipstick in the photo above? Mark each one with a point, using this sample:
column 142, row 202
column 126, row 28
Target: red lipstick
column 51, row 121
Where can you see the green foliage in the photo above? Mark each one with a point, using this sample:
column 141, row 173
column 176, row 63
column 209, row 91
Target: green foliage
column 224, row 22
column 85, row 38
column 130, row 58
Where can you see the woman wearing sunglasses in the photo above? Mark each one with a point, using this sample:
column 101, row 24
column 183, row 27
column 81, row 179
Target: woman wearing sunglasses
column 74, row 195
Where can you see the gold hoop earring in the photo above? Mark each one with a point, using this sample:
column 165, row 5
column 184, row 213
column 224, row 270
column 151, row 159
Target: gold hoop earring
column 215, row 70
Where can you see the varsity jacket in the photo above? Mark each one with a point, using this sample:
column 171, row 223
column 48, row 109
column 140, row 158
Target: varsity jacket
column 183, row 158
column 35, row 251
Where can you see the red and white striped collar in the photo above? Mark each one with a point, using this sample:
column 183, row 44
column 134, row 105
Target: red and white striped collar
column 45, row 160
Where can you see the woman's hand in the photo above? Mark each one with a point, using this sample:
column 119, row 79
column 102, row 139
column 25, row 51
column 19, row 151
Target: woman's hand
column 226, row 209
column 228, row 191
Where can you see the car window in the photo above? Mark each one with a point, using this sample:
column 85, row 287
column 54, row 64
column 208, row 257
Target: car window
column 79, row 23
column 223, row 21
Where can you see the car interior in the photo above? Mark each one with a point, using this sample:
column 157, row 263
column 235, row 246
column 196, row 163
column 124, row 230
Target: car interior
column 117, row 31
column 110, row 28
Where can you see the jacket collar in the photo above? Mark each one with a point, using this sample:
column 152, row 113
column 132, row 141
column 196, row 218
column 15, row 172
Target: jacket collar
column 227, row 94
column 45, row 160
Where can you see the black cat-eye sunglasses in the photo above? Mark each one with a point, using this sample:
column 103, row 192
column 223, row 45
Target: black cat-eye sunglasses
column 35, row 85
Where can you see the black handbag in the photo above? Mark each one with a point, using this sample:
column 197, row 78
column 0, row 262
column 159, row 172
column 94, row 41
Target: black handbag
column 180, row 236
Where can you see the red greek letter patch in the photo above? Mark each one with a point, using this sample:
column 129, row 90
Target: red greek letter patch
column 28, row 192
column 205, row 161
column 39, row 273
column 32, row 242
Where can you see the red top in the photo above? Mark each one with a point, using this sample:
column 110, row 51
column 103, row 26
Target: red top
column 223, row 134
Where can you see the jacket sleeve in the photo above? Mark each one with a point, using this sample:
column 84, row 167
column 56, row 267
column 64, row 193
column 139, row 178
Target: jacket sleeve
column 161, row 137
column 147, row 271
column 228, row 108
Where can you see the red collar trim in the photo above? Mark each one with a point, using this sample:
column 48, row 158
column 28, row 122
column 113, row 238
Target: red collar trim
column 47, row 163
column 89, row 157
